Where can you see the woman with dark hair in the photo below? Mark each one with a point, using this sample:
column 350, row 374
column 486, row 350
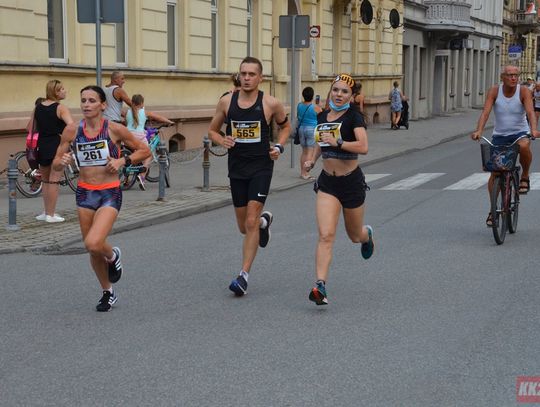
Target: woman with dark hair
column 50, row 119
column 358, row 98
column 341, row 187
column 98, row 197
column 306, row 114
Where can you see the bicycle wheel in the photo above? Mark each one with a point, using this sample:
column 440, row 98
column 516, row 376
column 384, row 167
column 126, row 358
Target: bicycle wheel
column 127, row 179
column 513, row 206
column 71, row 172
column 153, row 171
column 28, row 181
column 498, row 214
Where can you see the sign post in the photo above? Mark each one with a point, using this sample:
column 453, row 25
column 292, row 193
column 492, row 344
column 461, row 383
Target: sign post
column 293, row 33
column 97, row 12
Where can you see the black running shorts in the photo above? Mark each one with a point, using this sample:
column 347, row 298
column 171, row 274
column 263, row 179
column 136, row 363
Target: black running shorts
column 252, row 189
column 349, row 189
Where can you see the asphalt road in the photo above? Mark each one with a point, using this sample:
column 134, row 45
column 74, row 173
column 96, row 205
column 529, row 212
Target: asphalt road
column 440, row 316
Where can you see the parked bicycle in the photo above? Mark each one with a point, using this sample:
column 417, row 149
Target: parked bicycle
column 29, row 182
column 129, row 175
column 501, row 161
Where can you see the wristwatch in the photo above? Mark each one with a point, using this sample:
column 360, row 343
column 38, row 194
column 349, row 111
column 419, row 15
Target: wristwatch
column 339, row 143
column 127, row 159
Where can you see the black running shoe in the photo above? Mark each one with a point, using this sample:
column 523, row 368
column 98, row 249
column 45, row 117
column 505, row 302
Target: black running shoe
column 107, row 301
column 115, row 267
column 264, row 234
column 238, row 286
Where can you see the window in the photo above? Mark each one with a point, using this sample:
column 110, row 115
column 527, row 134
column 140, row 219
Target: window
column 55, row 28
column 249, row 27
column 120, row 43
column 214, row 12
column 171, row 34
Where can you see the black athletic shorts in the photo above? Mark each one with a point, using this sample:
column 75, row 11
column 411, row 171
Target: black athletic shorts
column 251, row 189
column 350, row 189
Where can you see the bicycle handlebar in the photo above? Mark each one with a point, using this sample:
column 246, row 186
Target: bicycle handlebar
column 159, row 126
column 515, row 141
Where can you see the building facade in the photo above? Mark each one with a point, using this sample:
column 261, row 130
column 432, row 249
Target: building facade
column 452, row 53
column 520, row 30
column 180, row 54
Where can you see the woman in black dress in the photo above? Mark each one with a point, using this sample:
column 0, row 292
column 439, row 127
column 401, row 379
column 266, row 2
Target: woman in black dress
column 50, row 119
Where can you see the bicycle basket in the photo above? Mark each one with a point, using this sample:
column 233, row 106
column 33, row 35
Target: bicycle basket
column 499, row 158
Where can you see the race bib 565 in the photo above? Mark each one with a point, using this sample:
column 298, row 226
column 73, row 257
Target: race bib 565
column 246, row 132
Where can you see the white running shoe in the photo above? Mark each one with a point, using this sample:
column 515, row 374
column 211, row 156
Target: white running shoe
column 43, row 216
column 54, row 219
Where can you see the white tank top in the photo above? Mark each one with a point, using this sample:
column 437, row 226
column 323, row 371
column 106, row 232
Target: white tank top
column 510, row 115
column 113, row 111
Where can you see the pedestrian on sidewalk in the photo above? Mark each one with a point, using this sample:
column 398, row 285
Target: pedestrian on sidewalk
column 51, row 117
column 536, row 100
column 306, row 113
column 359, row 98
column 396, row 98
column 513, row 105
column 136, row 118
column 248, row 114
column 97, row 142
column 341, row 135
column 116, row 97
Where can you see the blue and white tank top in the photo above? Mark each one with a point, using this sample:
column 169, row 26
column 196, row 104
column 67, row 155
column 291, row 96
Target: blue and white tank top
column 510, row 118
column 93, row 151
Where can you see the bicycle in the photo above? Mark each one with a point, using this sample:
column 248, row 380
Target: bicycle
column 501, row 161
column 129, row 174
column 29, row 182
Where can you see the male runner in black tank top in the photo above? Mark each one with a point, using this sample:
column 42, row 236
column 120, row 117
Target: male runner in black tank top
column 248, row 114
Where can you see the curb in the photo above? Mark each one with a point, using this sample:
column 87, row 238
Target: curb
column 179, row 213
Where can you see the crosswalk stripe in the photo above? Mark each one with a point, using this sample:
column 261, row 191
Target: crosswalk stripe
column 473, row 181
column 535, row 180
column 375, row 177
column 414, row 181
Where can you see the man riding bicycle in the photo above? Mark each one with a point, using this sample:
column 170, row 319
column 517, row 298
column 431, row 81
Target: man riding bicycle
column 512, row 105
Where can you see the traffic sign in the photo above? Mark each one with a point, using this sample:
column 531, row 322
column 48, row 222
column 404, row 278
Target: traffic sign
column 514, row 52
column 315, row 31
column 294, row 31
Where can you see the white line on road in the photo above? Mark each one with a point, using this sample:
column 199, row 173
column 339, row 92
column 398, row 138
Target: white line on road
column 375, row 177
column 414, row 181
column 473, row 181
column 535, row 180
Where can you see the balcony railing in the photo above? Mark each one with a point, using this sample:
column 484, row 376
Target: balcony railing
column 449, row 15
column 526, row 23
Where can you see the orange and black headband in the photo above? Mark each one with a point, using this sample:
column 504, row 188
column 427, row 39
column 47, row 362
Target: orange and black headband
column 345, row 78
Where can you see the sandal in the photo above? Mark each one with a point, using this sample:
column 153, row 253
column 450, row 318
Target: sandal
column 524, row 186
column 489, row 221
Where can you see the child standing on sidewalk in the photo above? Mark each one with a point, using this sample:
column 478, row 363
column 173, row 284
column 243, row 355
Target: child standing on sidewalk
column 136, row 118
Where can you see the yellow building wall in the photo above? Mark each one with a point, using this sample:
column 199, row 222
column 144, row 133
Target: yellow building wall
column 371, row 53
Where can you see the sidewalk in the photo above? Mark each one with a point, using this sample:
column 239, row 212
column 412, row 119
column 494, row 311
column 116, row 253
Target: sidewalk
column 185, row 197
